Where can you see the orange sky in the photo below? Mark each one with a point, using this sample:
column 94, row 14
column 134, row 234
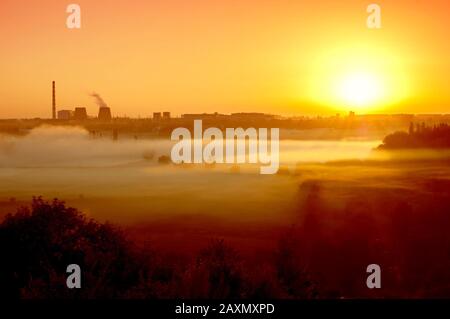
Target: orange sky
column 225, row 56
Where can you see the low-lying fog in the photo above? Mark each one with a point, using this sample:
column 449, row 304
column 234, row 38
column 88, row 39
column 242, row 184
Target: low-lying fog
column 123, row 181
column 342, row 205
column 58, row 146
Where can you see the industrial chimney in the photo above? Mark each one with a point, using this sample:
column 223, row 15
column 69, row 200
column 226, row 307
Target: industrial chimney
column 53, row 101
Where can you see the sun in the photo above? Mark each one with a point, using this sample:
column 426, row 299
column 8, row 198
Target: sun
column 359, row 90
column 365, row 79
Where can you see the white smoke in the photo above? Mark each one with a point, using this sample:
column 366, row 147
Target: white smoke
column 99, row 100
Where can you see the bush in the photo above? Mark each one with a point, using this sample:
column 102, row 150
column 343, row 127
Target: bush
column 38, row 243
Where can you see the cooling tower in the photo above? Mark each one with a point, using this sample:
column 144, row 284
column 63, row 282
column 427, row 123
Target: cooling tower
column 104, row 113
column 80, row 114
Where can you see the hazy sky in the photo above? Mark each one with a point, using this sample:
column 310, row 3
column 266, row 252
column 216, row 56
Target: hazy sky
column 275, row 56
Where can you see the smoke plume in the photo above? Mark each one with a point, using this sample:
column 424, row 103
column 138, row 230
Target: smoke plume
column 98, row 99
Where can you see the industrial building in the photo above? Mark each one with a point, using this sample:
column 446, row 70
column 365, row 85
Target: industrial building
column 104, row 113
column 65, row 114
column 53, row 100
column 201, row 116
column 80, row 114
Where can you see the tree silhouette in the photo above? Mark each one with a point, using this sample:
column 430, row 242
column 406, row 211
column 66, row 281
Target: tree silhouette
column 437, row 136
column 38, row 243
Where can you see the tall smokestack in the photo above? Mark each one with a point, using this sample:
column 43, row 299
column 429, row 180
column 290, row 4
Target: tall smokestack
column 53, row 100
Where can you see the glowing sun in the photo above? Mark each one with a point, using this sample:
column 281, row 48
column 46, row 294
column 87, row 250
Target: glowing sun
column 359, row 89
column 364, row 79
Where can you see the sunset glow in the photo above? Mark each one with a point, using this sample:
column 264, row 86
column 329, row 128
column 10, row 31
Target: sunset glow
column 285, row 57
column 224, row 158
column 361, row 78
column 360, row 89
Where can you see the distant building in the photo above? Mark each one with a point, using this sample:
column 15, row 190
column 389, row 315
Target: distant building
column 104, row 113
column 253, row 116
column 80, row 114
column 156, row 115
column 201, row 116
column 166, row 115
column 65, row 114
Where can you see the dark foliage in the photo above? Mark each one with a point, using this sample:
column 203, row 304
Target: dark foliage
column 419, row 137
column 38, row 243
